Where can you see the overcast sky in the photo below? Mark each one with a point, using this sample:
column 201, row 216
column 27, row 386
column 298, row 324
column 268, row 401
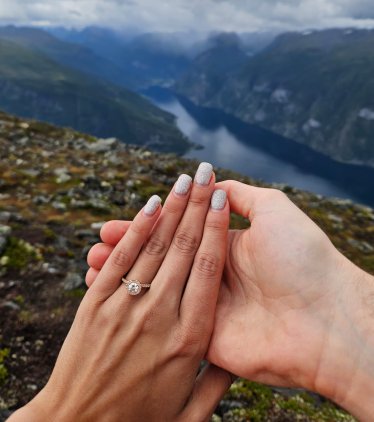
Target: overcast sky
column 195, row 15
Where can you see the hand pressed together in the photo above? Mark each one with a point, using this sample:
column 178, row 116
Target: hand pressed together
column 287, row 300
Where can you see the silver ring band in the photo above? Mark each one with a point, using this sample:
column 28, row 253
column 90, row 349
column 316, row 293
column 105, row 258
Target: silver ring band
column 134, row 287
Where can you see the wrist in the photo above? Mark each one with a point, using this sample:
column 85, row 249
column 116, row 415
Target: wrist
column 31, row 412
column 346, row 370
column 41, row 409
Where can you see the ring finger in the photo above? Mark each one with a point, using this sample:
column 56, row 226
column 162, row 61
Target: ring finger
column 156, row 247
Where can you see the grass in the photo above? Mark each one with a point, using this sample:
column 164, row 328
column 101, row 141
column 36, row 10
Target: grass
column 19, row 253
column 260, row 402
column 4, row 353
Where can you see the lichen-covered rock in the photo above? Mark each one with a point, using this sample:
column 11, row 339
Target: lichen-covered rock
column 73, row 281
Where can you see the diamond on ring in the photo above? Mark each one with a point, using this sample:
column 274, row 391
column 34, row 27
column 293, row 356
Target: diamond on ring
column 134, row 287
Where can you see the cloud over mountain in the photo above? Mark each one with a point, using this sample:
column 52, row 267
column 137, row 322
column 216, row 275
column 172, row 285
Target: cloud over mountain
column 193, row 15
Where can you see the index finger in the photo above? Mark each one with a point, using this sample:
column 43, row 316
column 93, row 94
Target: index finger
column 241, row 197
column 125, row 253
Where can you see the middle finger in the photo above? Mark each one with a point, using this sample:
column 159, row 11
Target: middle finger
column 176, row 266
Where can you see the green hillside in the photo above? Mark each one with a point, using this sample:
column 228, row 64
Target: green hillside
column 69, row 54
column 316, row 88
column 32, row 85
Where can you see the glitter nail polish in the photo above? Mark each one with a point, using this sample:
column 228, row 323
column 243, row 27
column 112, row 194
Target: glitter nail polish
column 204, row 174
column 218, row 200
column 152, row 205
column 183, row 184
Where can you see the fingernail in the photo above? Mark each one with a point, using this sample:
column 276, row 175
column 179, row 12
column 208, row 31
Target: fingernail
column 218, row 200
column 183, row 184
column 204, row 173
column 152, row 205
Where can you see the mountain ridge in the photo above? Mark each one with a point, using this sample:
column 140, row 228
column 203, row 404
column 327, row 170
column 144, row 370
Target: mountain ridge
column 68, row 53
column 33, row 85
column 315, row 88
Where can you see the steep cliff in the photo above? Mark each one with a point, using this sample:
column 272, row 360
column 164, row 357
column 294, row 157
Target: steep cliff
column 316, row 88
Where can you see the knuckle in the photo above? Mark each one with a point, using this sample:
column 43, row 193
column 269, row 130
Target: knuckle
column 138, row 229
column 155, row 246
column 172, row 208
column 207, row 264
column 198, row 199
column 186, row 243
column 121, row 258
column 147, row 320
column 186, row 342
column 216, row 225
column 150, row 319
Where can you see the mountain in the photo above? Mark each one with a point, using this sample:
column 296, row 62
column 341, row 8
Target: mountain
column 254, row 42
column 33, row 85
column 212, row 67
column 154, row 58
column 147, row 59
column 71, row 54
column 315, row 87
column 55, row 192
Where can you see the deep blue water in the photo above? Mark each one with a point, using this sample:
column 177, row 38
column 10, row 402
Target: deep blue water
column 228, row 142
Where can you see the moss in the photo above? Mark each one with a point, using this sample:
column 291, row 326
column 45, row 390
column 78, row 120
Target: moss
column 20, row 299
column 49, row 234
column 171, row 169
column 367, row 263
column 301, row 404
column 237, row 222
column 4, row 353
column 65, row 199
column 88, row 138
column 75, row 293
column 25, row 316
column 260, row 402
column 258, row 398
column 19, row 254
column 73, row 182
column 146, row 188
column 70, row 254
column 147, row 191
column 41, row 128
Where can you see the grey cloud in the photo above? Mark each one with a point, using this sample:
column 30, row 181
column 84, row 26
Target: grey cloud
column 359, row 9
column 193, row 15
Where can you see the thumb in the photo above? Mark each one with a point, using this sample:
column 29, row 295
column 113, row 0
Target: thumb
column 242, row 197
column 211, row 385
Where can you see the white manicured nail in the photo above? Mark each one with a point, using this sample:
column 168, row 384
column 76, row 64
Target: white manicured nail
column 204, row 173
column 152, row 205
column 183, row 184
column 218, row 200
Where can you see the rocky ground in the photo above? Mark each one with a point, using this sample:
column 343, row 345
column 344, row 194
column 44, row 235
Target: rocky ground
column 57, row 186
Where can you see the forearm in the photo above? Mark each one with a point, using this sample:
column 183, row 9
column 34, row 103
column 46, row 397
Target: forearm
column 347, row 371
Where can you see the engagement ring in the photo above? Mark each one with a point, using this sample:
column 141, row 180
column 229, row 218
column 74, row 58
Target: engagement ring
column 134, row 287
